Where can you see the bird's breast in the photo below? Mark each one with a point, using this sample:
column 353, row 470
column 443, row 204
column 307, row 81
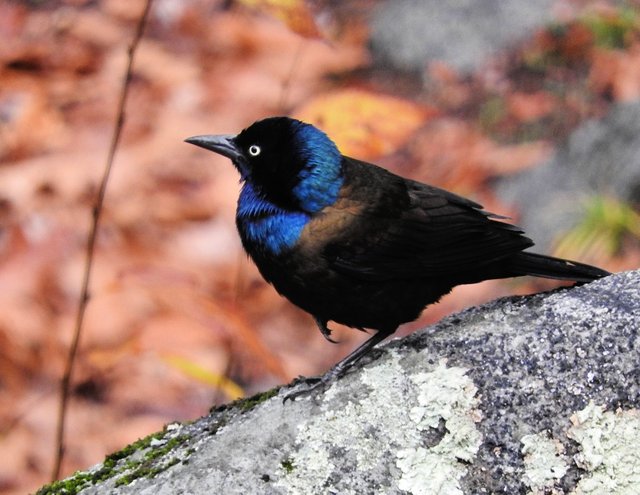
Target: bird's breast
column 265, row 227
column 273, row 233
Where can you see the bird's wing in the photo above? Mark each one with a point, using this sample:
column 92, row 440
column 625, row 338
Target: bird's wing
column 424, row 232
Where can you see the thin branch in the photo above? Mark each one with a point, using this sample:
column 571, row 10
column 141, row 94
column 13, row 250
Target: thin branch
column 96, row 212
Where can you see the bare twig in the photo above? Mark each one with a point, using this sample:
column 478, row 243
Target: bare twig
column 65, row 384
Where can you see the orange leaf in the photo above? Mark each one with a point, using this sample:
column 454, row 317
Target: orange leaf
column 365, row 124
column 294, row 13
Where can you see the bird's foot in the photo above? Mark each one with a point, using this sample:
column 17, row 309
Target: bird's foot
column 339, row 369
column 308, row 385
column 304, row 380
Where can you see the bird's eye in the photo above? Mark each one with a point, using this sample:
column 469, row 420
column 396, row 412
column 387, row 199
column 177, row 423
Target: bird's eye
column 254, row 150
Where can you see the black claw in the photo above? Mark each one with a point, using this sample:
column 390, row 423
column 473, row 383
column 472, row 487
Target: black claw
column 320, row 384
column 307, row 384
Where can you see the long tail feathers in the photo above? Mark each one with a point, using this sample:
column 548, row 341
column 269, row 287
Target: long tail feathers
column 539, row 265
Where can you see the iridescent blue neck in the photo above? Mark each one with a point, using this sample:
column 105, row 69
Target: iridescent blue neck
column 321, row 173
column 266, row 226
column 271, row 220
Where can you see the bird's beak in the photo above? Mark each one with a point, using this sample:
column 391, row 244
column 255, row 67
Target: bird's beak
column 224, row 145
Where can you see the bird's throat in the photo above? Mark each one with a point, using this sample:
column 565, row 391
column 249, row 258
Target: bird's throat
column 265, row 226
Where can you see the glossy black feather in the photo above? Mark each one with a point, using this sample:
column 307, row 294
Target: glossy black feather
column 429, row 232
column 350, row 242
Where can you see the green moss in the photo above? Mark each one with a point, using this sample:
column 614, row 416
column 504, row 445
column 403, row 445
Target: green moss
column 288, row 466
column 254, row 400
column 69, row 486
column 245, row 404
column 151, row 464
column 146, row 470
column 136, row 446
column 114, row 465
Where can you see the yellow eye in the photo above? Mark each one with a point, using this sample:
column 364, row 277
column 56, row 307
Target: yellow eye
column 254, row 150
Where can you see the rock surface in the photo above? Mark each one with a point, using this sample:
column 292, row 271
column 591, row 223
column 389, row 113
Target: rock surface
column 408, row 34
column 535, row 394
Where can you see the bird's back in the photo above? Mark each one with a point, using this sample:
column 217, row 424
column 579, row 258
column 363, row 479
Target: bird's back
column 385, row 249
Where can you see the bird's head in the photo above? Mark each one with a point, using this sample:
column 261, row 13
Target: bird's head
column 290, row 163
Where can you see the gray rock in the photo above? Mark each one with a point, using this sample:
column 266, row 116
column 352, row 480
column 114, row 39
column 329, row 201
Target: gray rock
column 536, row 394
column 601, row 157
column 408, row 34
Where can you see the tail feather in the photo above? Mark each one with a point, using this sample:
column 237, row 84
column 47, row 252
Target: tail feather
column 539, row 265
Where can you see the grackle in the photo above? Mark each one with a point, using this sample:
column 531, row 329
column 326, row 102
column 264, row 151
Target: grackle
column 350, row 242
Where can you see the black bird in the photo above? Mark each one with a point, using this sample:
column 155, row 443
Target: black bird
column 350, row 242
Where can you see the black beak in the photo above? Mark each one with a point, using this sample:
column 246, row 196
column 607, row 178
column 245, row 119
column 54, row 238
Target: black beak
column 224, row 145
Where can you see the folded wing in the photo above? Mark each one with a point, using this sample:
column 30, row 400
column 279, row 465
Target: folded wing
column 434, row 233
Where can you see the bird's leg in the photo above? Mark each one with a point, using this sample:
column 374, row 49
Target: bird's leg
column 326, row 331
column 343, row 366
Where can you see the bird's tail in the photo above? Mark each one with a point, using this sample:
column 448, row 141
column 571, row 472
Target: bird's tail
column 539, row 265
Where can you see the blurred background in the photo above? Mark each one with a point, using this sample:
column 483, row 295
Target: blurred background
column 530, row 108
